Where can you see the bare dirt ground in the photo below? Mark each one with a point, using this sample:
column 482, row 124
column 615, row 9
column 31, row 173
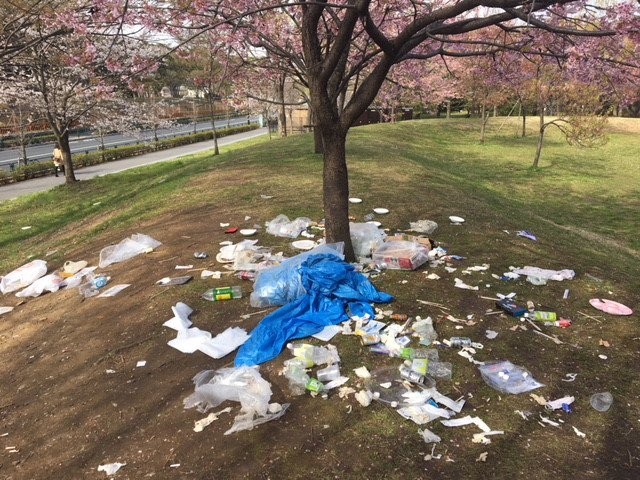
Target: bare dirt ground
column 64, row 413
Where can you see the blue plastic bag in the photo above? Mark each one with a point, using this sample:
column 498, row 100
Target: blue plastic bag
column 332, row 286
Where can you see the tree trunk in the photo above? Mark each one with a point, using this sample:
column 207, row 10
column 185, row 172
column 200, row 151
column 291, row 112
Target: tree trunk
column 536, row 160
column 282, row 113
column 69, row 174
column 336, row 191
column 485, row 117
column 448, row 109
column 101, row 134
column 318, row 146
column 23, row 152
column 216, row 149
column 524, row 122
column 495, row 111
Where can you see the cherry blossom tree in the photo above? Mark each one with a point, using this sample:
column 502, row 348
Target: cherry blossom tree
column 352, row 46
column 66, row 77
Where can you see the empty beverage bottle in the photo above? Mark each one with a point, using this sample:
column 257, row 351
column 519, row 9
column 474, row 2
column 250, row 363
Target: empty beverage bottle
column 313, row 355
column 222, row 293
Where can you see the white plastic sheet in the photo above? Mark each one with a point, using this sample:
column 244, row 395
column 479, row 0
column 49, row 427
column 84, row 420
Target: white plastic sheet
column 23, row 276
column 126, row 249
column 50, row 283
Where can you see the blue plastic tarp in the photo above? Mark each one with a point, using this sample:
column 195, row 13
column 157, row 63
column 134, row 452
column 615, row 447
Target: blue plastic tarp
column 333, row 288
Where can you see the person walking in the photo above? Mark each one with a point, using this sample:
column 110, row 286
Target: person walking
column 58, row 161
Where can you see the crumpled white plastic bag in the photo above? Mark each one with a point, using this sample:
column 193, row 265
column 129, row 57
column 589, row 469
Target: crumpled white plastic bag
column 51, row 283
column 126, row 249
column 23, row 276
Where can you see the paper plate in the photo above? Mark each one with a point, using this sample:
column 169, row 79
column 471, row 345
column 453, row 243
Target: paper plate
column 455, row 219
column 609, row 306
column 381, row 211
column 247, row 232
column 373, row 222
column 355, row 200
column 303, row 244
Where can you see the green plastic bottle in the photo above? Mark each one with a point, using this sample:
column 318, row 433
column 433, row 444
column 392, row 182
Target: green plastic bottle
column 222, row 293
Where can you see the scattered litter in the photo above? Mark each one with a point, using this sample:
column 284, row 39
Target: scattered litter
column 328, row 332
column 141, row 363
column 281, row 226
column 611, row 307
column 565, row 295
column 200, row 255
column 554, row 339
column 423, row 226
column 433, row 276
column 184, row 267
column 559, row 403
column 126, row 249
column 601, row 401
column 455, row 220
column 364, row 397
column 4, row 310
column 527, row 234
column 460, row 284
column 548, row 421
column 224, row 225
column 109, row 371
column 113, row 291
column 180, row 319
column 224, row 343
column 570, row 377
column 210, row 274
column 27, row 227
column 23, row 276
column 400, row 255
column 482, row 457
column 604, row 343
column 450, row 269
column 557, row 275
column 242, row 384
column 231, row 230
column 490, row 334
column 304, row 244
column 247, row 232
column 506, row 377
column 381, row 211
column 355, row 200
column 579, row 433
column 201, row 424
column 110, row 468
column 428, row 436
column 522, row 414
column 167, row 281
column 539, row 399
column 174, row 465
column 362, row 372
column 602, row 357
column 344, row 392
column 431, row 456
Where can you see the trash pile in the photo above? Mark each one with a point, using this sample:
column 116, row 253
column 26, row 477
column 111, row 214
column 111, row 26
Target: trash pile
column 319, row 295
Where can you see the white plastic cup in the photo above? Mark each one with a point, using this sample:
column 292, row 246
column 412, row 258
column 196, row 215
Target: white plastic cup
column 601, row 401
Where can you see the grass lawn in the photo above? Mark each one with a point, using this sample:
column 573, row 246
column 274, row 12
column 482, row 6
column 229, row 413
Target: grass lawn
column 582, row 205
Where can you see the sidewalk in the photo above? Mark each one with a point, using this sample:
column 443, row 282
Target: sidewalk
column 41, row 184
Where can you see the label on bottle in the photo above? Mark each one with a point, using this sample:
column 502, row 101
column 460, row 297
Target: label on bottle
column 222, row 296
column 314, row 385
column 407, row 353
column 420, row 365
column 544, row 315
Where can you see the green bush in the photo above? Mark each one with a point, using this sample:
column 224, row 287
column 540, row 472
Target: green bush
column 41, row 169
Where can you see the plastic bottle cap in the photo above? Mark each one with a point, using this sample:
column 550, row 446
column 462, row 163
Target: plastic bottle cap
column 376, row 395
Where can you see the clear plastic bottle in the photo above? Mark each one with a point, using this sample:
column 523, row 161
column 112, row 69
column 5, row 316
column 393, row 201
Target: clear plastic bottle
column 460, row 342
column 544, row 316
column 313, row 355
column 222, row 293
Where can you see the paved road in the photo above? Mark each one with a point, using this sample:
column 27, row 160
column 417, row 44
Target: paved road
column 15, row 190
column 90, row 143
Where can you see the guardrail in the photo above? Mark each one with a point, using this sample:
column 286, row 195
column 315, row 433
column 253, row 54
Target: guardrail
column 13, row 163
